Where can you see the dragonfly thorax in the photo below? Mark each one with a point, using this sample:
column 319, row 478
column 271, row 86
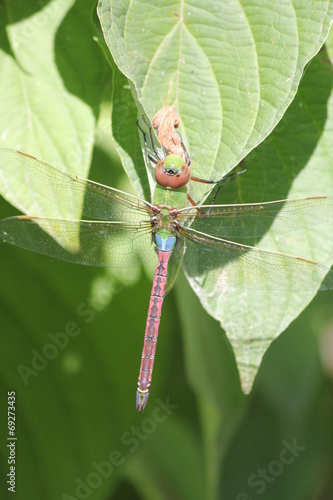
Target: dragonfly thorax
column 165, row 227
column 172, row 172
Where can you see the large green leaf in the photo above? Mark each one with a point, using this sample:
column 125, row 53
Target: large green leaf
column 299, row 150
column 232, row 70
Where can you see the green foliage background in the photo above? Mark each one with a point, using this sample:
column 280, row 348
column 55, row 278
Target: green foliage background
column 78, row 410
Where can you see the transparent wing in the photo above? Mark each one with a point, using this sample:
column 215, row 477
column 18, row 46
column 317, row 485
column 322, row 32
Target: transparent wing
column 254, row 220
column 231, row 264
column 116, row 244
column 65, row 190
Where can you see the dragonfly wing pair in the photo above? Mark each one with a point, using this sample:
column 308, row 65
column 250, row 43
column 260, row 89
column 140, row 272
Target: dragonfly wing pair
column 117, row 231
column 99, row 243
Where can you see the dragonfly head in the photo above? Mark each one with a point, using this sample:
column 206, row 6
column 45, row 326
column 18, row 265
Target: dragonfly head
column 173, row 164
column 172, row 172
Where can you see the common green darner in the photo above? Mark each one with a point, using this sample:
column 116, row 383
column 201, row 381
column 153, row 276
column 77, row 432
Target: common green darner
column 121, row 229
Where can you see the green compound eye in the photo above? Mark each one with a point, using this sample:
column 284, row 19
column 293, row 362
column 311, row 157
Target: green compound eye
column 173, row 164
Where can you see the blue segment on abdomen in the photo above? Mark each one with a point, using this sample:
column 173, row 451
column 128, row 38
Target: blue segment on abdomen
column 165, row 243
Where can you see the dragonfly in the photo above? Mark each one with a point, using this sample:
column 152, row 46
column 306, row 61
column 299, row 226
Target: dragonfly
column 120, row 229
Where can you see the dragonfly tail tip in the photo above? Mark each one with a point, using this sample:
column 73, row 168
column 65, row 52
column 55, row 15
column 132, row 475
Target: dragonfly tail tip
column 141, row 399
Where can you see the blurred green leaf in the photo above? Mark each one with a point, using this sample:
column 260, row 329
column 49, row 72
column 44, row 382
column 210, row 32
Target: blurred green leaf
column 212, row 374
column 52, row 81
column 161, row 473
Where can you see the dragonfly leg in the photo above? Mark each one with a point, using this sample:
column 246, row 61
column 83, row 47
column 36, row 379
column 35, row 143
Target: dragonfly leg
column 228, row 177
column 149, row 156
column 231, row 176
column 187, row 156
column 151, row 138
column 190, row 199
